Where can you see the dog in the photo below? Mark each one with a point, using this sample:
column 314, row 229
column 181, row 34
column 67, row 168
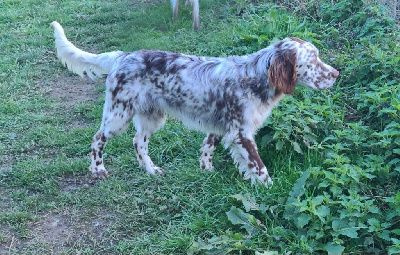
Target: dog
column 227, row 98
column 195, row 11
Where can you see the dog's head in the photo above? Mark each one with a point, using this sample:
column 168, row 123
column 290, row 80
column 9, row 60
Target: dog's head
column 296, row 61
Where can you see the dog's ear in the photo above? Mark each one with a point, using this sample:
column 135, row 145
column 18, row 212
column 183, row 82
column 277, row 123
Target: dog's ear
column 282, row 71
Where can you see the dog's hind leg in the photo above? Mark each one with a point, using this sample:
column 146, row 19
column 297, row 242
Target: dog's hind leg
column 146, row 124
column 207, row 149
column 116, row 116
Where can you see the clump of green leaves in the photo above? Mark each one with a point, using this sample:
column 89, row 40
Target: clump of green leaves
column 333, row 207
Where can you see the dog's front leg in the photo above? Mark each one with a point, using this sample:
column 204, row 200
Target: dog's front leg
column 245, row 154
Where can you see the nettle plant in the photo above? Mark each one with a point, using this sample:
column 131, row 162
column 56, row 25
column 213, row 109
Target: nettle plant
column 333, row 206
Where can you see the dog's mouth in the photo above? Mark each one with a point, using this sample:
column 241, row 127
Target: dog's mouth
column 319, row 85
column 326, row 82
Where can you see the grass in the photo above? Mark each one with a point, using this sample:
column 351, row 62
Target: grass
column 48, row 117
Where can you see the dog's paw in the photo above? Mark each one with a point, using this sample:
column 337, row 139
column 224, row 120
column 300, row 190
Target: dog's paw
column 268, row 182
column 264, row 178
column 154, row 170
column 100, row 175
column 99, row 172
column 159, row 170
column 206, row 164
column 260, row 177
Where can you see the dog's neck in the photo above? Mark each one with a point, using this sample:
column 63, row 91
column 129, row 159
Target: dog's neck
column 255, row 64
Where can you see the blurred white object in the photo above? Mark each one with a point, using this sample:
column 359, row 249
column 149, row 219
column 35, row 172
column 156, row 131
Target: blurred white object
column 195, row 11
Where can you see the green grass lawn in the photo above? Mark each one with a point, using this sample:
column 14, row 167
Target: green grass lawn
column 48, row 204
column 346, row 138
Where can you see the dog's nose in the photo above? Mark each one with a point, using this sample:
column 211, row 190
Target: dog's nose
column 335, row 73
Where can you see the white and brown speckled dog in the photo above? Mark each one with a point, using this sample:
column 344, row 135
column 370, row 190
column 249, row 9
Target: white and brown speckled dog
column 226, row 98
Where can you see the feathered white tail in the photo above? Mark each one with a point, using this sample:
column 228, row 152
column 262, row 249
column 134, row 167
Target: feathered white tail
column 81, row 62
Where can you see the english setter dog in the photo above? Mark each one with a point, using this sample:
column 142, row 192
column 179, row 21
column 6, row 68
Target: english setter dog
column 227, row 98
column 195, row 11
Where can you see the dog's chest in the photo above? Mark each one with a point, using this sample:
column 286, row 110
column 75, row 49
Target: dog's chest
column 257, row 112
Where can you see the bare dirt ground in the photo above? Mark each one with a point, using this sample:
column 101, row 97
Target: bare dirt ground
column 70, row 90
column 54, row 231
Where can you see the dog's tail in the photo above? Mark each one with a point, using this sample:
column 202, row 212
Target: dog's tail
column 80, row 62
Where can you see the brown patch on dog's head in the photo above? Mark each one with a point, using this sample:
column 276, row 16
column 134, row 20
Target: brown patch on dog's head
column 282, row 72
